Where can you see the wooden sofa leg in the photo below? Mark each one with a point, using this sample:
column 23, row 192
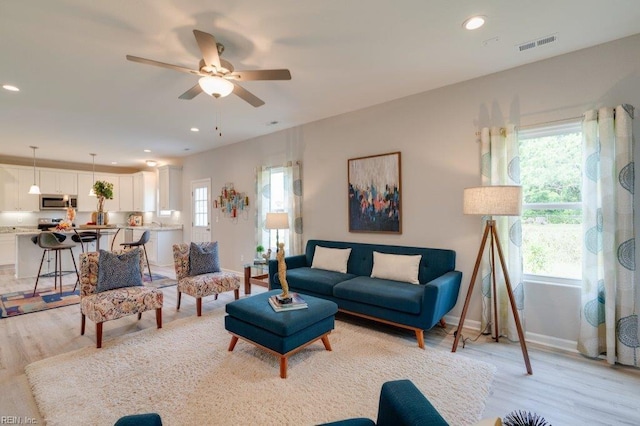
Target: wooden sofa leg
column 443, row 323
column 159, row 317
column 236, row 293
column 179, row 299
column 199, row 306
column 98, row 335
column 420, row 338
column 82, row 324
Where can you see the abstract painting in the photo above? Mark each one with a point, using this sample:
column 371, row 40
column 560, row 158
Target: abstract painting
column 374, row 194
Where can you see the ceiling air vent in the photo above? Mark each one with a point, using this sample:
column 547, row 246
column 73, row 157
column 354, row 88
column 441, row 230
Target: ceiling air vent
column 542, row 41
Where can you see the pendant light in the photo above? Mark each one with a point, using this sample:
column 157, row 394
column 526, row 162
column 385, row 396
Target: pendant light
column 93, row 179
column 35, row 189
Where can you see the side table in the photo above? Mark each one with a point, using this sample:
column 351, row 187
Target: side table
column 258, row 279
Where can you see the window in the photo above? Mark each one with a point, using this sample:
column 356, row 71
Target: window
column 276, row 201
column 551, row 176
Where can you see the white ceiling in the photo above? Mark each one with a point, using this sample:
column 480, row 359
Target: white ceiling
column 78, row 93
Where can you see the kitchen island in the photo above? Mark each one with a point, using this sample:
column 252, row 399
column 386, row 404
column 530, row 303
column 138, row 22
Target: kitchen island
column 159, row 247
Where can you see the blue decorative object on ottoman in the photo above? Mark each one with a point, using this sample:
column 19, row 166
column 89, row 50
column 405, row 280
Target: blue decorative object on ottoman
column 280, row 333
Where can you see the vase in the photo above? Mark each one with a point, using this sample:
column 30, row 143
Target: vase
column 102, row 218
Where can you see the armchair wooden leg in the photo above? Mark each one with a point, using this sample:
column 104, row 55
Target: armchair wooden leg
column 179, row 299
column 98, row 335
column 236, row 293
column 199, row 306
column 159, row 317
column 82, row 324
column 215, row 296
column 139, row 316
column 420, row 338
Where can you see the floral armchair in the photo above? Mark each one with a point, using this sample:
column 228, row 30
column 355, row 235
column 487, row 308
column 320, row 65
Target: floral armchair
column 201, row 285
column 113, row 304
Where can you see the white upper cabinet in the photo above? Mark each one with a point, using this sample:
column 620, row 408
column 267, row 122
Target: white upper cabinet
column 144, row 192
column 58, row 182
column 125, row 182
column 14, row 189
column 170, row 188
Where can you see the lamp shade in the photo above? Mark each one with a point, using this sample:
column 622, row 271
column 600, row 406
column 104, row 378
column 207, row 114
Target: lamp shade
column 498, row 200
column 216, row 86
column 34, row 190
column 277, row 221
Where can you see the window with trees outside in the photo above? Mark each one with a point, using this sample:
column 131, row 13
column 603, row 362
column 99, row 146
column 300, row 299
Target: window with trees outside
column 551, row 177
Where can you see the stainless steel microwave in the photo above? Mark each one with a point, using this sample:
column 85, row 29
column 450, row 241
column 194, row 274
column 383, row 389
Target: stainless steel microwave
column 57, row 201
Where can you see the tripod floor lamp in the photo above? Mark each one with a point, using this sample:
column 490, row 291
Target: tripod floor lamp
column 505, row 200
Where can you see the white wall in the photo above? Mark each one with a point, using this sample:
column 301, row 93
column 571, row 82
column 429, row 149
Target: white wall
column 435, row 132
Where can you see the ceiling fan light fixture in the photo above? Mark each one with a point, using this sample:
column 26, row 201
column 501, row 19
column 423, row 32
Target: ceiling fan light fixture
column 216, row 86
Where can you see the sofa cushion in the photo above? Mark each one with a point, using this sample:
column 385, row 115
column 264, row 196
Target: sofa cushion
column 396, row 295
column 331, row 259
column 397, row 267
column 314, row 280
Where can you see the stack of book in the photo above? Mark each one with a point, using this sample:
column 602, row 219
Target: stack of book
column 297, row 303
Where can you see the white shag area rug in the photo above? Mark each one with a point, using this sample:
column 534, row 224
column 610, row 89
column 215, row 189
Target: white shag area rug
column 185, row 373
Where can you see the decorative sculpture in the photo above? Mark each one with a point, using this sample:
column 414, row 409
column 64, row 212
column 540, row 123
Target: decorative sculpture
column 282, row 276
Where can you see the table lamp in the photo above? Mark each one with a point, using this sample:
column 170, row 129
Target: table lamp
column 277, row 221
column 499, row 200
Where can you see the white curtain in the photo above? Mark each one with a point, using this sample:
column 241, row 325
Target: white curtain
column 287, row 199
column 501, row 166
column 609, row 318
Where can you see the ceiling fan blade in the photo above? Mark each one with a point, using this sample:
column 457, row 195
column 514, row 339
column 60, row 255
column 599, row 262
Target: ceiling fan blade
column 209, row 48
column 282, row 74
column 162, row 64
column 191, row 93
column 247, row 96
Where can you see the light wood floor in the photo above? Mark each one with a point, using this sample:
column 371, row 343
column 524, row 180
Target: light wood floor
column 566, row 389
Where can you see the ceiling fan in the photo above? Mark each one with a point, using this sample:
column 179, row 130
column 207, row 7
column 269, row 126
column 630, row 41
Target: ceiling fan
column 217, row 76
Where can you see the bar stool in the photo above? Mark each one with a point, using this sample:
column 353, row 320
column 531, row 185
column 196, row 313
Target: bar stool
column 144, row 239
column 85, row 237
column 48, row 242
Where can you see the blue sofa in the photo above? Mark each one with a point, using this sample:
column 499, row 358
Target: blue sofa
column 415, row 307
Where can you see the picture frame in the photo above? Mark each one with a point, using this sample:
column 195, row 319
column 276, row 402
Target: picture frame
column 375, row 193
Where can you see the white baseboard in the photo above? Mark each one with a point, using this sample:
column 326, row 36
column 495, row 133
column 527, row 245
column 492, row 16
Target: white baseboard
column 538, row 339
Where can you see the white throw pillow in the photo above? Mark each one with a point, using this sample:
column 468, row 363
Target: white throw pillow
column 397, row 267
column 331, row 259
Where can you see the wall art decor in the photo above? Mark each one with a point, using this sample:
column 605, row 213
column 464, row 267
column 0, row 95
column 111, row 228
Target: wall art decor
column 232, row 203
column 374, row 193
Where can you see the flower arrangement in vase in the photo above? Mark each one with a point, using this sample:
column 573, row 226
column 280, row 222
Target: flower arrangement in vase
column 103, row 191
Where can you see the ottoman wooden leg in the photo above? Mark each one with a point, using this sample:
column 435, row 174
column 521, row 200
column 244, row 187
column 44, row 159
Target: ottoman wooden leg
column 325, row 341
column 283, row 367
column 232, row 344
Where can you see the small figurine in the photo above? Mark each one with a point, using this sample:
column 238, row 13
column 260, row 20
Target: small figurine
column 267, row 255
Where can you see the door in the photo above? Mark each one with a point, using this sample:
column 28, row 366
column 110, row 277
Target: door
column 201, row 210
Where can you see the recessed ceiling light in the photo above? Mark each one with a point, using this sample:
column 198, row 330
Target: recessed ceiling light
column 151, row 163
column 147, row 150
column 474, row 22
column 195, row 129
column 114, row 162
column 10, row 88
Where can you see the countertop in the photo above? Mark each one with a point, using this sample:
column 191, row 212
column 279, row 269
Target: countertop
column 32, row 230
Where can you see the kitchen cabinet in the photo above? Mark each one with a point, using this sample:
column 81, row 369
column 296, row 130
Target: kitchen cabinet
column 125, row 183
column 86, row 202
column 8, row 249
column 144, row 192
column 170, row 188
column 58, row 182
column 14, row 189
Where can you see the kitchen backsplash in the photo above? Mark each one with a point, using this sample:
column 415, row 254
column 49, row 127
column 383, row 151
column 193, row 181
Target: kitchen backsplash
column 30, row 219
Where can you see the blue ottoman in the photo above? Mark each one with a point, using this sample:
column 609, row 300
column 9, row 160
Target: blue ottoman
column 279, row 333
